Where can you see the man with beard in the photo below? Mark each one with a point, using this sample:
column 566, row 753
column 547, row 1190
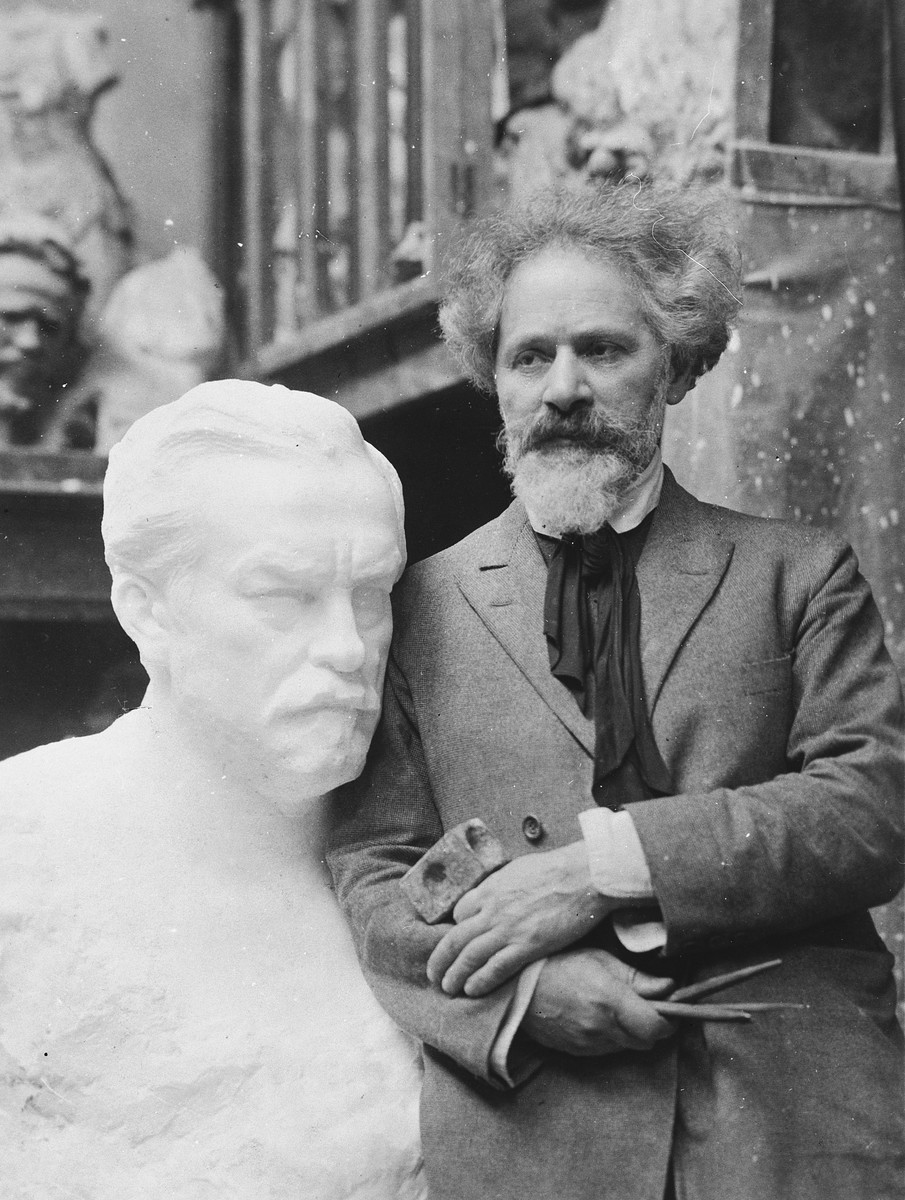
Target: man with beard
column 682, row 725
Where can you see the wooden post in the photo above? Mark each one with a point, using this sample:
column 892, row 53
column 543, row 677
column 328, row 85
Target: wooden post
column 896, row 21
column 414, row 103
column 754, row 84
column 311, row 161
column 257, row 219
column 370, row 176
column 458, row 64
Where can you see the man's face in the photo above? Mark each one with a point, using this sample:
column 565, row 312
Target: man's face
column 38, row 314
column 278, row 637
column 582, row 382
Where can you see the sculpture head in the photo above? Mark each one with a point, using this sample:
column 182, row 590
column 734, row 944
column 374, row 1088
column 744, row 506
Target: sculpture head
column 42, row 296
column 254, row 537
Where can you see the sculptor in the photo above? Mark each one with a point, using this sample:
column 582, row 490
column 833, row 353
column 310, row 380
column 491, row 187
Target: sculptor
column 181, row 1014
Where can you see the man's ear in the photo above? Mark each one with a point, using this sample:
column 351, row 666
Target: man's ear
column 681, row 381
column 141, row 610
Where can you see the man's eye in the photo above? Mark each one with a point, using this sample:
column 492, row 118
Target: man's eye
column 529, row 358
column 602, row 350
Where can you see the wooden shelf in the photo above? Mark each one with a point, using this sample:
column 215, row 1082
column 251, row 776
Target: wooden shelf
column 373, row 358
column 50, row 534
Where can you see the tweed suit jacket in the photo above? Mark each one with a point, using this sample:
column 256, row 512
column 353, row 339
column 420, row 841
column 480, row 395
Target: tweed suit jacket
column 778, row 714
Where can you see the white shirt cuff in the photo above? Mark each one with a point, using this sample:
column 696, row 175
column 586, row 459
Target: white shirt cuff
column 619, row 870
column 618, row 866
column 638, row 931
column 515, row 1073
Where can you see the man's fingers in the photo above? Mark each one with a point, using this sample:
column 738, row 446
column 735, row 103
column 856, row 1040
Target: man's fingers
column 651, row 986
column 468, row 906
column 472, row 958
column 449, row 948
column 500, row 967
column 640, row 1021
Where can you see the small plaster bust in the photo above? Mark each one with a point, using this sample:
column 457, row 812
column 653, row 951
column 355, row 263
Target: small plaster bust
column 162, row 331
column 181, row 1012
column 42, row 296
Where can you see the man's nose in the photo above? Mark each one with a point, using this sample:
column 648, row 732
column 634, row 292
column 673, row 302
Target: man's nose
column 338, row 643
column 565, row 385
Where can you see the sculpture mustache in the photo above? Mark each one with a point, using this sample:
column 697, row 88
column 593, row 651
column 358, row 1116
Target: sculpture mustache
column 328, row 697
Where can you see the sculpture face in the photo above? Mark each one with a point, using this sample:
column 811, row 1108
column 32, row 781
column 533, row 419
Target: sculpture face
column 38, row 318
column 276, row 640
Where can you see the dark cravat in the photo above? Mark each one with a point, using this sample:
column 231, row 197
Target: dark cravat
column 592, row 622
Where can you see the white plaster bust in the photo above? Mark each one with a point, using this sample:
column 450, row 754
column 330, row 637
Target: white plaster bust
column 181, row 1013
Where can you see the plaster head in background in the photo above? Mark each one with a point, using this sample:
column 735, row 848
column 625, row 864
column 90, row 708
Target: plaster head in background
column 254, row 537
column 42, row 296
column 587, row 311
column 162, row 331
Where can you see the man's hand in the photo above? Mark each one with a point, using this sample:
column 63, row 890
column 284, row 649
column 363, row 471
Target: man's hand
column 587, row 1002
column 532, row 907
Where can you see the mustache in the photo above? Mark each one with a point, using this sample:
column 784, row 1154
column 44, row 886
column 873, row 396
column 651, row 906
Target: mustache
column 582, row 428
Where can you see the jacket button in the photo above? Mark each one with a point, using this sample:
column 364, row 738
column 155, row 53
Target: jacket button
column 532, row 829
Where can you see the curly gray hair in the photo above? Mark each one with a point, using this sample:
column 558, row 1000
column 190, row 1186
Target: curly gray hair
column 676, row 244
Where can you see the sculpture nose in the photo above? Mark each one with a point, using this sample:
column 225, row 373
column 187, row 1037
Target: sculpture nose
column 27, row 337
column 565, row 385
column 338, row 644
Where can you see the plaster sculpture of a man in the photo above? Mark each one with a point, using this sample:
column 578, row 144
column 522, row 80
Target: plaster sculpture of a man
column 181, row 1013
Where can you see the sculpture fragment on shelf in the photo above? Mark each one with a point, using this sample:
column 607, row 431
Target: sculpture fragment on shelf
column 635, row 97
column 90, row 341
column 42, row 298
column 53, row 68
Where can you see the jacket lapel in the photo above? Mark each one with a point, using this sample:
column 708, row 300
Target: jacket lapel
column 683, row 561
column 682, row 564
column 506, row 589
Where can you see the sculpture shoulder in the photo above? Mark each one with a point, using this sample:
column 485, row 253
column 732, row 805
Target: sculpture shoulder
column 55, row 765
column 56, row 781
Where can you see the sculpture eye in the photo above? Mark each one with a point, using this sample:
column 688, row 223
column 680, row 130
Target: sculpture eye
column 283, row 607
column 371, row 604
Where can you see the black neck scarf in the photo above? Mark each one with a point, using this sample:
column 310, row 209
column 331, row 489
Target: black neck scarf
column 592, row 623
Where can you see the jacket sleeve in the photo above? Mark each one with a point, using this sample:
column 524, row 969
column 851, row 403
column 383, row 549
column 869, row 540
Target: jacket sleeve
column 381, row 824
column 820, row 840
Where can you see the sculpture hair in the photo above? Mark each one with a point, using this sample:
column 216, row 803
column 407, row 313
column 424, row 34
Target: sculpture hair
column 675, row 245
column 148, row 525
column 31, row 235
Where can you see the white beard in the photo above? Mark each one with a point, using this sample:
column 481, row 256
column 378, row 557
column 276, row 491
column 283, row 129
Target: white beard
column 578, row 466
column 571, row 488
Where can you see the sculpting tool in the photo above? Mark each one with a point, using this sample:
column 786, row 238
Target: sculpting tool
column 718, row 982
